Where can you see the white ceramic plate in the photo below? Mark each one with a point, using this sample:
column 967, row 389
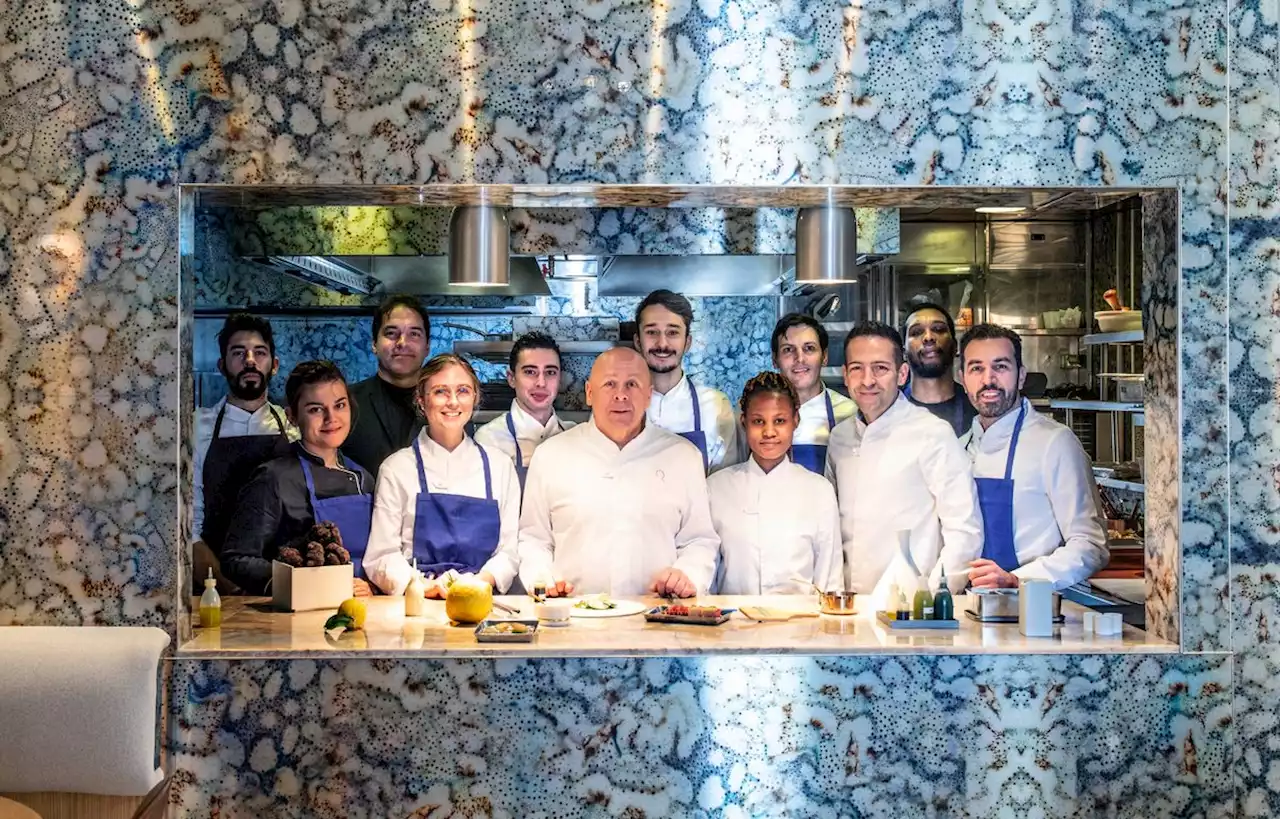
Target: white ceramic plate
column 622, row 608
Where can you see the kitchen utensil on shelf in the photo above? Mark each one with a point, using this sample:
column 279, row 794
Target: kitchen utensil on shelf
column 837, row 602
column 1118, row 321
column 506, row 608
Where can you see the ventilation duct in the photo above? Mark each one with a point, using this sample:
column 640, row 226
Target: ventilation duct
column 826, row 246
column 479, row 247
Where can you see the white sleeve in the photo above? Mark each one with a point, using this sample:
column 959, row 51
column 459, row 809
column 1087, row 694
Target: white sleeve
column 385, row 564
column 505, row 562
column 828, row 547
column 535, row 544
column 727, row 429
column 697, row 544
column 1073, row 496
column 948, row 474
column 197, row 480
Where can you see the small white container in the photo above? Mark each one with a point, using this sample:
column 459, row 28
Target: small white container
column 1090, row 622
column 554, row 612
column 1117, row 321
column 311, row 587
column 1110, row 624
column 1035, row 608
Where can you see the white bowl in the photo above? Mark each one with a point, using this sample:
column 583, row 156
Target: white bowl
column 1117, row 321
column 553, row 612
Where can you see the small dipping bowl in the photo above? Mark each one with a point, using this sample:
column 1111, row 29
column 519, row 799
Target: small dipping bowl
column 553, row 612
column 837, row 602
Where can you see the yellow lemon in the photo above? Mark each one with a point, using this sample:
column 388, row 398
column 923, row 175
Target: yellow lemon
column 468, row 602
column 350, row 615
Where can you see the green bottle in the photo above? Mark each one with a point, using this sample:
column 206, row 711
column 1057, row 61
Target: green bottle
column 943, row 608
column 922, row 604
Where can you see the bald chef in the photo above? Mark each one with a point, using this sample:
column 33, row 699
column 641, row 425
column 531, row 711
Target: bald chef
column 800, row 352
column 1040, row 507
column 617, row 505
column 701, row 415
column 898, row 468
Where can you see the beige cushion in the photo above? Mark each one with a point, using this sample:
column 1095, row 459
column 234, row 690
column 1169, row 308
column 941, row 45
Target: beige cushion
column 79, row 709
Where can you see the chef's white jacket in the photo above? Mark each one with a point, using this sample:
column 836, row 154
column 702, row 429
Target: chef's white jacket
column 779, row 531
column 1059, row 531
column 461, row 472
column 608, row 519
column 235, row 423
column 674, row 412
column 813, row 417
column 904, row 471
column 529, row 433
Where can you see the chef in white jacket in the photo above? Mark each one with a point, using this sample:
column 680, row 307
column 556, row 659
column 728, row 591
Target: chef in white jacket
column 799, row 346
column 897, row 467
column 1040, row 507
column 777, row 520
column 533, row 371
column 700, row 414
column 617, row 505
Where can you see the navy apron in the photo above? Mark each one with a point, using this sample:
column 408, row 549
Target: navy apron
column 228, row 465
column 957, row 421
column 813, row 457
column 352, row 514
column 521, row 469
column 995, row 499
column 456, row 532
column 697, row 437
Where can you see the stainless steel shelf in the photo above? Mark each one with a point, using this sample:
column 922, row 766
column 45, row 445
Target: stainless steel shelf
column 1115, row 483
column 503, row 348
column 1122, row 337
column 1066, row 332
column 1096, row 406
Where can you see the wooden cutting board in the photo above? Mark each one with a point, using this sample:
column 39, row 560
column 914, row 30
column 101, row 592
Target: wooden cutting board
column 764, row 614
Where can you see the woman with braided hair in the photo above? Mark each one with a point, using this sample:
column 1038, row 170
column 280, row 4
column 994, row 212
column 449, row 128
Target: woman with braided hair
column 778, row 522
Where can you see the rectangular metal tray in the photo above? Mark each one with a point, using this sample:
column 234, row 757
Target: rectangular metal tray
column 506, row 638
column 889, row 621
column 658, row 615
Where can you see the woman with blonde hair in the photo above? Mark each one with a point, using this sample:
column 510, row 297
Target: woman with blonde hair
column 444, row 499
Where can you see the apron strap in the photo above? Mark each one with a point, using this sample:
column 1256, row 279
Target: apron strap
column 1013, row 442
column 511, row 427
column 488, row 480
column 280, row 428
column 311, row 484
column 422, row 472
column 279, row 423
column 697, row 411
column 217, row 425
column 831, row 413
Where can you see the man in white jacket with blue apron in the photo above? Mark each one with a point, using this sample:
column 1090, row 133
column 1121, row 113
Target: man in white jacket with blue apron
column 1040, row 508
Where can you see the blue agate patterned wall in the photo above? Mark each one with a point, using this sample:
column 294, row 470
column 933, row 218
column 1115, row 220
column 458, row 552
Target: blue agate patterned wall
column 106, row 105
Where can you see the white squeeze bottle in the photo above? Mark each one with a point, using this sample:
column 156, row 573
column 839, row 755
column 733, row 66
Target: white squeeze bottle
column 210, row 604
column 415, row 604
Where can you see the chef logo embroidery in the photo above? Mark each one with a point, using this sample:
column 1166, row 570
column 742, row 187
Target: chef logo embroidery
column 660, row 475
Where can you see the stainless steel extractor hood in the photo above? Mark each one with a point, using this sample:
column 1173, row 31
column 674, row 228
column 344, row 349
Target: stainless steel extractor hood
column 414, row 275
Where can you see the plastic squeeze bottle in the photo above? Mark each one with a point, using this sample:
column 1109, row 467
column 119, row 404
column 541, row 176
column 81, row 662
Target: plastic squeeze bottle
column 210, row 604
column 943, row 607
column 415, row 604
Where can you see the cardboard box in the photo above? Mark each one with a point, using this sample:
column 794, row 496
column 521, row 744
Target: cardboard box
column 310, row 588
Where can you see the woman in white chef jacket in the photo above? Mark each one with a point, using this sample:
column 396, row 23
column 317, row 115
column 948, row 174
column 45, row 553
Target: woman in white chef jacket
column 778, row 522
column 444, row 500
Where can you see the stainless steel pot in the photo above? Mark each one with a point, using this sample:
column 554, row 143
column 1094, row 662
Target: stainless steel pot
column 1001, row 605
column 837, row 602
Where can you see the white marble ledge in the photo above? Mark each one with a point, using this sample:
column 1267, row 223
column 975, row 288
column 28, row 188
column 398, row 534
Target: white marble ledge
column 250, row 630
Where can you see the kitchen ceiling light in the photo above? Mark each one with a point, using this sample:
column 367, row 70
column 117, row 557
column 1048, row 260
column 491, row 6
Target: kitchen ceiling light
column 479, row 246
column 826, row 245
column 995, row 209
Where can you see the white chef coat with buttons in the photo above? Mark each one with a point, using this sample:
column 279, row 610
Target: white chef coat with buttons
column 674, row 413
column 813, row 427
column 1059, row 531
column 529, row 432
column 904, row 471
column 779, row 530
column 460, row 472
column 235, row 423
column 608, row 519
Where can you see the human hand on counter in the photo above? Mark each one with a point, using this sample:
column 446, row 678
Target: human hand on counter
column 560, row 588
column 673, row 583
column 361, row 588
column 434, row 589
column 488, row 578
column 986, row 574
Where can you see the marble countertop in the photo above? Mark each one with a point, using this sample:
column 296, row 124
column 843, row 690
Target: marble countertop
column 250, row 629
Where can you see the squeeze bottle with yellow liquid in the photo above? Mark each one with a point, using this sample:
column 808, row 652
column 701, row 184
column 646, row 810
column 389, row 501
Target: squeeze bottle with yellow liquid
column 210, row 604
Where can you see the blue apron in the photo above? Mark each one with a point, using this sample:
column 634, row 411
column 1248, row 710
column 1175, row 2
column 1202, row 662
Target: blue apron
column 352, row 514
column 697, row 437
column 454, row 531
column 995, row 498
column 521, row 469
column 957, row 421
column 813, row 457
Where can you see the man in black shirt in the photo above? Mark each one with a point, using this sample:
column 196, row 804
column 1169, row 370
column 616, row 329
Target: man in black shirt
column 386, row 419
column 930, row 336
